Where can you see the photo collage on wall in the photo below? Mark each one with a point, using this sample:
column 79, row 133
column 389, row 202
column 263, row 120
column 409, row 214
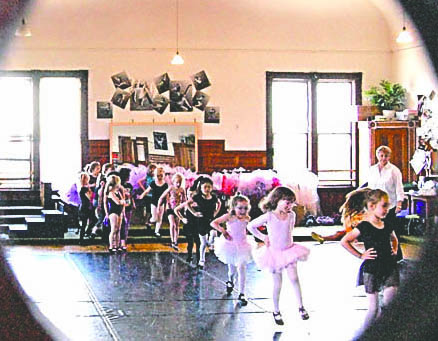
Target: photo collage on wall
column 159, row 94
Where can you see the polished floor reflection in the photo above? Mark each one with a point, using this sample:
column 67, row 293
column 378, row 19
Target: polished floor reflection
column 158, row 296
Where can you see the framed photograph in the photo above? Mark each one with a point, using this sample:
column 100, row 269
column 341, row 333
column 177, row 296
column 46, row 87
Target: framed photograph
column 160, row 140
column 180, row 96
column 200, row 100
column 162, row 83
column 121, row 80
column 104, row 110
column 141, row 97
column 200, row 80
column 212, row 115
column 120, row 98
column 160, row 103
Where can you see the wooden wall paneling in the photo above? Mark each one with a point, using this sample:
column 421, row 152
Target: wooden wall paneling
column 212, row 156
column 98, row 150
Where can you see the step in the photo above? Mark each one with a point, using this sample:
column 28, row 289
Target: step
column 17, row 230
column 15, row 210
column 4, row 228
column 15, row 218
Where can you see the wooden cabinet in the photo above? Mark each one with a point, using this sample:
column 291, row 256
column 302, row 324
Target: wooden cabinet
column 401, row 138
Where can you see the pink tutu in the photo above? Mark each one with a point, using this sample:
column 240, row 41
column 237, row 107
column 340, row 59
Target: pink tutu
column 274, row 260
column 235, row 252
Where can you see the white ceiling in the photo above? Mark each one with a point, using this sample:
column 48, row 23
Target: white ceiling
column 203, row 23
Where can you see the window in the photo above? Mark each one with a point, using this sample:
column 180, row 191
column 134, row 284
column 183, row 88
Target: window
column 43, row 127
column 309, row 125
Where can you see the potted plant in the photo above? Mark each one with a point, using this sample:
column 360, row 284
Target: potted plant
column 388, row 97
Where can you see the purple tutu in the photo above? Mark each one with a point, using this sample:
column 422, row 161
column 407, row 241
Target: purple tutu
column 234, row 252
column 275, row 260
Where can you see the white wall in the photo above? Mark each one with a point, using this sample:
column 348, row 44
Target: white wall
column 235, row 44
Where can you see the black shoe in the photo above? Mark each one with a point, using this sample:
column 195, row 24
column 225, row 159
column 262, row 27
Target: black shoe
column 201, row 265
column 157, row 234
column 230, row 287
column 189, row 259
column 119, row 250
column 112, row 251
column 242, row 299
column 278, row 319
column 304, row 314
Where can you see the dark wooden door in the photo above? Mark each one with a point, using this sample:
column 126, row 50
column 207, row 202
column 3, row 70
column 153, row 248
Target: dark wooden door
column 400, row 137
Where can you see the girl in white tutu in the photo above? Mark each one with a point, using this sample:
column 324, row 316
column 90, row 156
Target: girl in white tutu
column 279, row 251
column 234, row 246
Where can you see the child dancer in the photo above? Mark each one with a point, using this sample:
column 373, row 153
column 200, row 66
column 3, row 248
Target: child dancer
column 144, row 183
column 380, row 263
column 86, row 211
column 127, row 189
column 234, row 246
column 352, row 212
column 158, row 186
column 279, row 251
column 174, row 196
column 190, row 226
column 114, row 208
column 207, row 207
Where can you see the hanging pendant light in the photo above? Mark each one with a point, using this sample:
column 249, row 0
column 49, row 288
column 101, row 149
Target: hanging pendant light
column 23, row 30
column 177, row 59
column 404, row 36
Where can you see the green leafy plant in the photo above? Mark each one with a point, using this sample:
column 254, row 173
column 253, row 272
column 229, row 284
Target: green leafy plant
column 387, row 96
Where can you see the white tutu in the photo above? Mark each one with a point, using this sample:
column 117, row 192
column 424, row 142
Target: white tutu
column 234, row 252
column 274, row 260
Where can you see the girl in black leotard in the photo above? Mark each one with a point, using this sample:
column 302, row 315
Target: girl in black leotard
column 114, row 206
column 207, row 207
column 157, row 188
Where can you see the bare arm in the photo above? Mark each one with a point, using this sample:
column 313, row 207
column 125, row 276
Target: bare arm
column 394, row 243
column 218, row 207
column 253, row 224
column 216, row 224
column 190, row 208
column 347, row 243
column 147, row 190
column 163, row 196
column 140, row 183
column 177, row 211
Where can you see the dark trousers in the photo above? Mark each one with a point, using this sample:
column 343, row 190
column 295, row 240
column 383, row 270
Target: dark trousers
column 392, row 219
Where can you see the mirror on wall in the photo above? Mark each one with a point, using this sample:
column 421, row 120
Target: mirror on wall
column 142, row 143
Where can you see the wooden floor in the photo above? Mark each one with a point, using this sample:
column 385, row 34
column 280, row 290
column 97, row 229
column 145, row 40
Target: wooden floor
column 152, row 293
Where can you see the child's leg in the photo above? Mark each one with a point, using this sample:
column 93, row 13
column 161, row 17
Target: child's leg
column 203, row 240
column 231, row 272
column 277, row 282
column 171, row 218
column 190, row 240
column 113, row 218
column 293, row 276
column 373, row 309
column 241, row 272
column 126, row 226
column 213, row 235
column 159, row 218
column 153, row 213
column 176, row 228
column 388, row 295
column 198, row 246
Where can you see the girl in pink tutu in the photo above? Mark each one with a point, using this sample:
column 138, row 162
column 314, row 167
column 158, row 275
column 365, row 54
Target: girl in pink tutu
column 234, row 246
column 279, row 251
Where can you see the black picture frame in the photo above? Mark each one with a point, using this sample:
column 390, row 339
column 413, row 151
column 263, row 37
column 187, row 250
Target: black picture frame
column 120, row 98
column 121, row 80
column 104, row 110
column 200, row 100
column 200, row 80
column 141, row 97
column 160, row 103
column 212, row 115
column 162, row 83
column 180, row 96
column 160, row 140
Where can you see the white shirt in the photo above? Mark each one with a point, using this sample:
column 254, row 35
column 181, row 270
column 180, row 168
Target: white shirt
column 389, row 179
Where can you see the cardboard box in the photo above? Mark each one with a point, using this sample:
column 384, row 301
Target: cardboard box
column 366, row 112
